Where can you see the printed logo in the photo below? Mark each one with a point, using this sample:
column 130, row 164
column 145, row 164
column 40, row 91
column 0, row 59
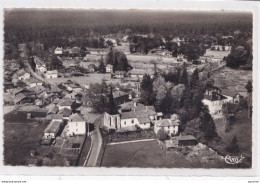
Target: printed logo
column 233, row 159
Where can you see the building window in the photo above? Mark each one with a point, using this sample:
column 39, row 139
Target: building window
column 132, row 121
column 125, row 122
column 110, row 121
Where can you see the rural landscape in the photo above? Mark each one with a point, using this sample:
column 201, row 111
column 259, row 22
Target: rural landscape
column 128, row 88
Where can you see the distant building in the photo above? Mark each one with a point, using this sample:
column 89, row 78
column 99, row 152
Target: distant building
column 109, row 68
column 171, row 126
column 214, row 100
column 22, row 75
column 58, row 51
column 52, row 74
column 120, row 97
column 64, row 104
column 182, row 140
column 40, row 65
column 22, row 99
column 76, row 125
column 31, row 82
column 52, row 130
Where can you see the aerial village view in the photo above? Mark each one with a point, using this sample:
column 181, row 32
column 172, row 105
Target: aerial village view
column 127, row 88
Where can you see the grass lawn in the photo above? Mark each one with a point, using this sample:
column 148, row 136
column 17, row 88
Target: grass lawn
column 19, row 139
column 149, row 154
column 242, row 128
column 21, row 116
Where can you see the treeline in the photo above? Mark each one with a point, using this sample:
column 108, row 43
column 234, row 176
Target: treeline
column 241, row 55
column 181, row 93
column 52, row 28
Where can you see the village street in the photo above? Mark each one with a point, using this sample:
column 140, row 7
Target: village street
column 96, row 139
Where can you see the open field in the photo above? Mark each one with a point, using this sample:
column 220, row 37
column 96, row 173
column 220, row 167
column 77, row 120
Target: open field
column 242, row 128
column 149, row 154
column 232, row 80
column 19, row 139
column 21, row 116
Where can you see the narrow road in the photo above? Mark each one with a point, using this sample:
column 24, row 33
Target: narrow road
column 97, row 143
column 132, row 141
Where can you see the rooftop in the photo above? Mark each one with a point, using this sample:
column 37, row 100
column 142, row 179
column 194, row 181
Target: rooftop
column 53, row 127
column 76, row 118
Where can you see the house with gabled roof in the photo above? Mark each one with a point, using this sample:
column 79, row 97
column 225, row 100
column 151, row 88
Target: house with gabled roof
column 66, row 113
column 40, row 65
column 22, row 74
column 51, row 74
column 170, row 126
column 64, row 104
column 22, row 99
column 31, row 82
column 76, row 125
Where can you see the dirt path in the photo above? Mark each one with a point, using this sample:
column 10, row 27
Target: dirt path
column 132, row 141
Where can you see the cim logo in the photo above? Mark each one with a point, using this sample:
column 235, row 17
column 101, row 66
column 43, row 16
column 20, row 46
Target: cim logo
column 233, row 159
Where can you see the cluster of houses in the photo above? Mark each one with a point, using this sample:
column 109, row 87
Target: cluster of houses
column 41, row 68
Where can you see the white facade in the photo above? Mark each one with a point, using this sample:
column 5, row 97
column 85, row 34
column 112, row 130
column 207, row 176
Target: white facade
column 128, row 122
column 169, row 129
column 35, row 84
column 77, row 128
column 41, row 68
column 58, row 51
column 52, row 74
column 216, row 106
column 64, row 106
column 109, row 68
column 24, row 76
column 111, row 121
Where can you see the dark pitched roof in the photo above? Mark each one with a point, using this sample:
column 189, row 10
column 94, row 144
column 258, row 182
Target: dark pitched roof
column 65, row 111
column 53, row 127
column 19, row 97
column 65, row 103
column 76, row 118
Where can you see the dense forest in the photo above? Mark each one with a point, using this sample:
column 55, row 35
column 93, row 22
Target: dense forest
column 85, row 27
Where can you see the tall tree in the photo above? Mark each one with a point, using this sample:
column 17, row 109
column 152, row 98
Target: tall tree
column 184, row 77
column 147, row 96
column 102, row 67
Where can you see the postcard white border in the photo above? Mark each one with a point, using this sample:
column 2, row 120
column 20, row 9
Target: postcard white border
column 141, row 4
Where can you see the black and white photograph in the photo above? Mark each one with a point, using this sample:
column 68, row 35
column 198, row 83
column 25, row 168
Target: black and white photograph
column 128, row 88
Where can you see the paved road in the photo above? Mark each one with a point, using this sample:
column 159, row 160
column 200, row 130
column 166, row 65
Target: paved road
column 97, row 143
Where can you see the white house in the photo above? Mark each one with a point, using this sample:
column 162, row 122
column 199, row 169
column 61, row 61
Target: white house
column 52, row 74
column 109, row 68
column 58, row 51
column 22, row 75
column 171, row 126
column 215, row 105
column 31, row 82
column 76, row 125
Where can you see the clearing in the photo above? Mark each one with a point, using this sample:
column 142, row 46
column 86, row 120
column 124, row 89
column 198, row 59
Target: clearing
column 149, row 154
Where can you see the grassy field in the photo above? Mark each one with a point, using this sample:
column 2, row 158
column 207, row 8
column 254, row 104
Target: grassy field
column 242, row 128
column 19, row 139
column 149, row 154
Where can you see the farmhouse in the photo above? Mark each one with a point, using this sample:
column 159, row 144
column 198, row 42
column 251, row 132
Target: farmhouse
column 76, row 125
column 52, row 74
column 236, row 95
column 171, row 126
column 57, row 117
